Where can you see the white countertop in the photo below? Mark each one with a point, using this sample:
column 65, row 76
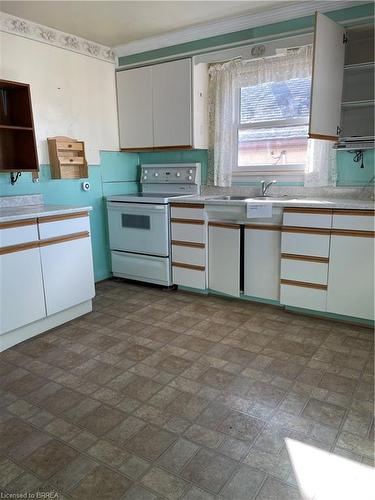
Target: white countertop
column 354, row 204
column 30, row 211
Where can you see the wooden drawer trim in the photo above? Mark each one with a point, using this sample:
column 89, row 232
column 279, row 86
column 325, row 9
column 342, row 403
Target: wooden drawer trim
column 350, row 232
column 187, row 205
column 308, row 210
column 187, row 221
column 19, row 248
column 59, row 217
column 18, row 223
column 225, row 225
column 324, row 137
column 263, row 227
column 366, row 213
column 188, row 266
column 189, row 244
column 303, row 284
column 306, row 258
column 63, row 239
column 305, row 230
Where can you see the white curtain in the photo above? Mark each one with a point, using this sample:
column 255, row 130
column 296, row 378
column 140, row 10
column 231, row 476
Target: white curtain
column 320, row 168
column 224, row 82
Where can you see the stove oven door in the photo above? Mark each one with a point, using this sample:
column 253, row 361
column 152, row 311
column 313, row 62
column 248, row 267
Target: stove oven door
column 139, row 227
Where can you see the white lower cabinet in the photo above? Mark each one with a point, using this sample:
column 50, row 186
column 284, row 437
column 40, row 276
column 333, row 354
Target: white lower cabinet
column 67, row 273
column 189, row 248
column 262, row 261
column 224, row 250
column 351, row 276
column 188, row 276
column 21, row 289
column 304, row 297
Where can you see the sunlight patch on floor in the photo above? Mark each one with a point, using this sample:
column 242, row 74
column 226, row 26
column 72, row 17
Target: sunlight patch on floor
column 324, row 476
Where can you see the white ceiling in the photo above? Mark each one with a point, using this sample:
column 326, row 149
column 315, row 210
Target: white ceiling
column 113, row 23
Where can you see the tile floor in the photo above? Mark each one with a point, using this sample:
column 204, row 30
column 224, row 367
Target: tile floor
column 170, row 395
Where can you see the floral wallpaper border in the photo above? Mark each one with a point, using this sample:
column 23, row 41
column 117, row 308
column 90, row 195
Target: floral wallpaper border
column 28, row 29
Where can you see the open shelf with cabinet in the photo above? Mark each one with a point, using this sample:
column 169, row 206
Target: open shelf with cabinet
column 357, row 107
column 17, row 138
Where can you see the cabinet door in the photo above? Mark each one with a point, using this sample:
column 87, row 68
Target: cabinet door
column 351, row 276
column 21, row 289
column 172, row 106
column 327, row 79
column 67, row 273
column 224, row 258
column 134, row 100
column 262, row 262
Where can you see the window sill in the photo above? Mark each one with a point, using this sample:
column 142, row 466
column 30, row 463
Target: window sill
column 290, row 176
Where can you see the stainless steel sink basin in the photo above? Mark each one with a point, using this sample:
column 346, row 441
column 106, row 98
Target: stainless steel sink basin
column 229, row 198
column 274, row 198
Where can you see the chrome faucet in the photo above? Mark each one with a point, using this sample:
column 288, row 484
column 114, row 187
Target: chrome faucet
column 266, row 187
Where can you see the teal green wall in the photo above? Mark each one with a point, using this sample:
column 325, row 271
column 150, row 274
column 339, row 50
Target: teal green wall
column 117, row 173
column 349, row 173
column 245, row 36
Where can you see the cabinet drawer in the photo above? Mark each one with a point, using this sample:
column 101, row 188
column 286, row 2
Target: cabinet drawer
column 188, row 211
column 302, row 270
column 59, row 225
column 192, row 278
column 141, row 267
column 69, row 146
column 305, row 297
column 18, row 232
column 308, row 218
column 189, row 255
column 71, row 160
column 194, row 232
column 357, row 220
column 305, row 243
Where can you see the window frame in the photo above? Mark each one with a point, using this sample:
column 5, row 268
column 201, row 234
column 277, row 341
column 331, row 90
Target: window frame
column 293, row 171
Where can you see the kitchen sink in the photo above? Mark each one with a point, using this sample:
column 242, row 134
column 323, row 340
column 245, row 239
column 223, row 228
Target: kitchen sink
column 229, row 198
column 247, row 198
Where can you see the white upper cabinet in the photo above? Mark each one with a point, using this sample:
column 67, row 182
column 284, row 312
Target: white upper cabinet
column 134, row 100
column 172, row 103
column 327, row 79
column 163, row 105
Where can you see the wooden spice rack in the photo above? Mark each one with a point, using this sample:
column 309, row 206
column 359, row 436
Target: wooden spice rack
column 67, row 158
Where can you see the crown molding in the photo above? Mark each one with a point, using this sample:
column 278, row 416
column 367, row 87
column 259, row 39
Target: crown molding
column 231, row 25
column 44, row 34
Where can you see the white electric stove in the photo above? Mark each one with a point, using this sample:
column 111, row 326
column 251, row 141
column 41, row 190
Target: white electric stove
column 139, row 223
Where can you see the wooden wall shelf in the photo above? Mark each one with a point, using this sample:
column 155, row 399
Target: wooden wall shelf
column 67, row 158
column 17, row 137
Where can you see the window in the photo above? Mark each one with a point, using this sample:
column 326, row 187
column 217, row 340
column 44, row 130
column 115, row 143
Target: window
column 272, row 127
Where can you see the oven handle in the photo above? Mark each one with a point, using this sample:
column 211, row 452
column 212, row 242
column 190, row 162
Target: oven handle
column 136, row 207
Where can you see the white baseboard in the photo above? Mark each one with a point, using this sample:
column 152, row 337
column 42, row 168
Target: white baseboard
column 14, row 337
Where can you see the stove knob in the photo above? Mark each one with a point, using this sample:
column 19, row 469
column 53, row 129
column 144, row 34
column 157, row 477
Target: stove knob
column 190, row 171
column 156, row 174
column 145, row 172
column 145, row 177
column 178, row 174
column 190, row 178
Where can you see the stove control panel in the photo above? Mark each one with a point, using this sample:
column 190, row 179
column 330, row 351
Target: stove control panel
column 176, row 173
